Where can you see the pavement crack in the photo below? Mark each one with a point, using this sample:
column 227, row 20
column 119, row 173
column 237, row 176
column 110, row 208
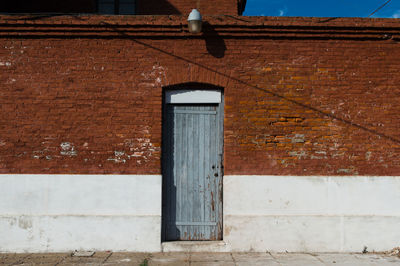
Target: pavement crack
column 234, row 261
column 62, row 259
column 275, row 259
column 106, row 258
column 316, row 256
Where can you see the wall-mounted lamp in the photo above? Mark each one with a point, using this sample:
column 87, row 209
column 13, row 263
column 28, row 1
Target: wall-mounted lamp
column 194, row 21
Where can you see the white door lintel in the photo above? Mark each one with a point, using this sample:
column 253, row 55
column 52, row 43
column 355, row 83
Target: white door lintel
column 193, row 96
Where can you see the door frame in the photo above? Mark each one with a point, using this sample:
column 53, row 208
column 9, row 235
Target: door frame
column 192, row 87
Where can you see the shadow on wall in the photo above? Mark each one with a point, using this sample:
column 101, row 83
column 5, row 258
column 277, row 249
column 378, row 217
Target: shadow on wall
column 193, row 86
column 270, row 92
column 156, row 7
column 320, row 112
column 215, row 44
column 169, row 230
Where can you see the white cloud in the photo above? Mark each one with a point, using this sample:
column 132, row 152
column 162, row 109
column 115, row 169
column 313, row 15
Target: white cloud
column 282, row 11
column 396, row 14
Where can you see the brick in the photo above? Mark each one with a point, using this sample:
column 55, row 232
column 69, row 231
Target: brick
column 341, row 96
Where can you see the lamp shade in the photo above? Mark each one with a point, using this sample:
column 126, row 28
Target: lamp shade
column 194, row 21
column 194, row 15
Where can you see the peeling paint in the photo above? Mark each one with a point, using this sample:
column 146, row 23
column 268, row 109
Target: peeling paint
column 25, row 222
column 37, row 154
column 338, row 154
column 350, row 170
column 298, row 138
column 12, row 221
column 157, row 75
column 319, row 155
column 140, row 148
column 287, row 163
column 298, row 154
column 118, row 157
column 5, row 63
column 67, row 149
column 10, row 81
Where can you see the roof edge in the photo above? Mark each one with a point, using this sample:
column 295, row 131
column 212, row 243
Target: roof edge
column 176, row 26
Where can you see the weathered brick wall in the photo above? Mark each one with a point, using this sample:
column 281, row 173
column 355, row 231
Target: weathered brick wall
column 50, row 6
column 79, row 106
column 143, row 7
column 300, row 99
column 183, row 7
column 329, row 107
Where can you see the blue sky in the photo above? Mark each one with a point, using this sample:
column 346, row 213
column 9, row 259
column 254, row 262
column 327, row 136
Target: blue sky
column 322, row 8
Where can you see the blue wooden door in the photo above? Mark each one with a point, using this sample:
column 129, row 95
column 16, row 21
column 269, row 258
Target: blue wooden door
column 192, row 172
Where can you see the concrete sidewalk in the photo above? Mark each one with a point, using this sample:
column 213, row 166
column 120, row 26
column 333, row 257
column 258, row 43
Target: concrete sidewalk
column 110, row 258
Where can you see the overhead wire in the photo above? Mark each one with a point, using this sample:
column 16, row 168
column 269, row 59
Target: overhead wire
column 379, row 8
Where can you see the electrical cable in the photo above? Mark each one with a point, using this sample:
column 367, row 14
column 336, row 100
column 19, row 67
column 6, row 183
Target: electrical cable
column 376, row 10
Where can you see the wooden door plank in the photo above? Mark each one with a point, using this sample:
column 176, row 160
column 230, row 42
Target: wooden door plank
column 196, row 176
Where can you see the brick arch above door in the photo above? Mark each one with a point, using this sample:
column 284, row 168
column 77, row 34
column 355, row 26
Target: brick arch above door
column 195, row 74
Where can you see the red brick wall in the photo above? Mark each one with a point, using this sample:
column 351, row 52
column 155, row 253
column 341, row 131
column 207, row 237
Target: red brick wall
column 48, row 6
column 303, row 101
column 143, row 7
column 183, row 7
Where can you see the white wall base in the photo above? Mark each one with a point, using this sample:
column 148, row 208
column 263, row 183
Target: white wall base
column 311, row 214
column 68, row 233
column 58, row 213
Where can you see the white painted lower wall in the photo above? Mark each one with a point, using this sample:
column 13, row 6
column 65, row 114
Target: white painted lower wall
column 317, row 213
column 56, row 213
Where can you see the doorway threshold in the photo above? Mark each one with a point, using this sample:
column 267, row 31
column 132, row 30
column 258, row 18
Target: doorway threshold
column 195, row 246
